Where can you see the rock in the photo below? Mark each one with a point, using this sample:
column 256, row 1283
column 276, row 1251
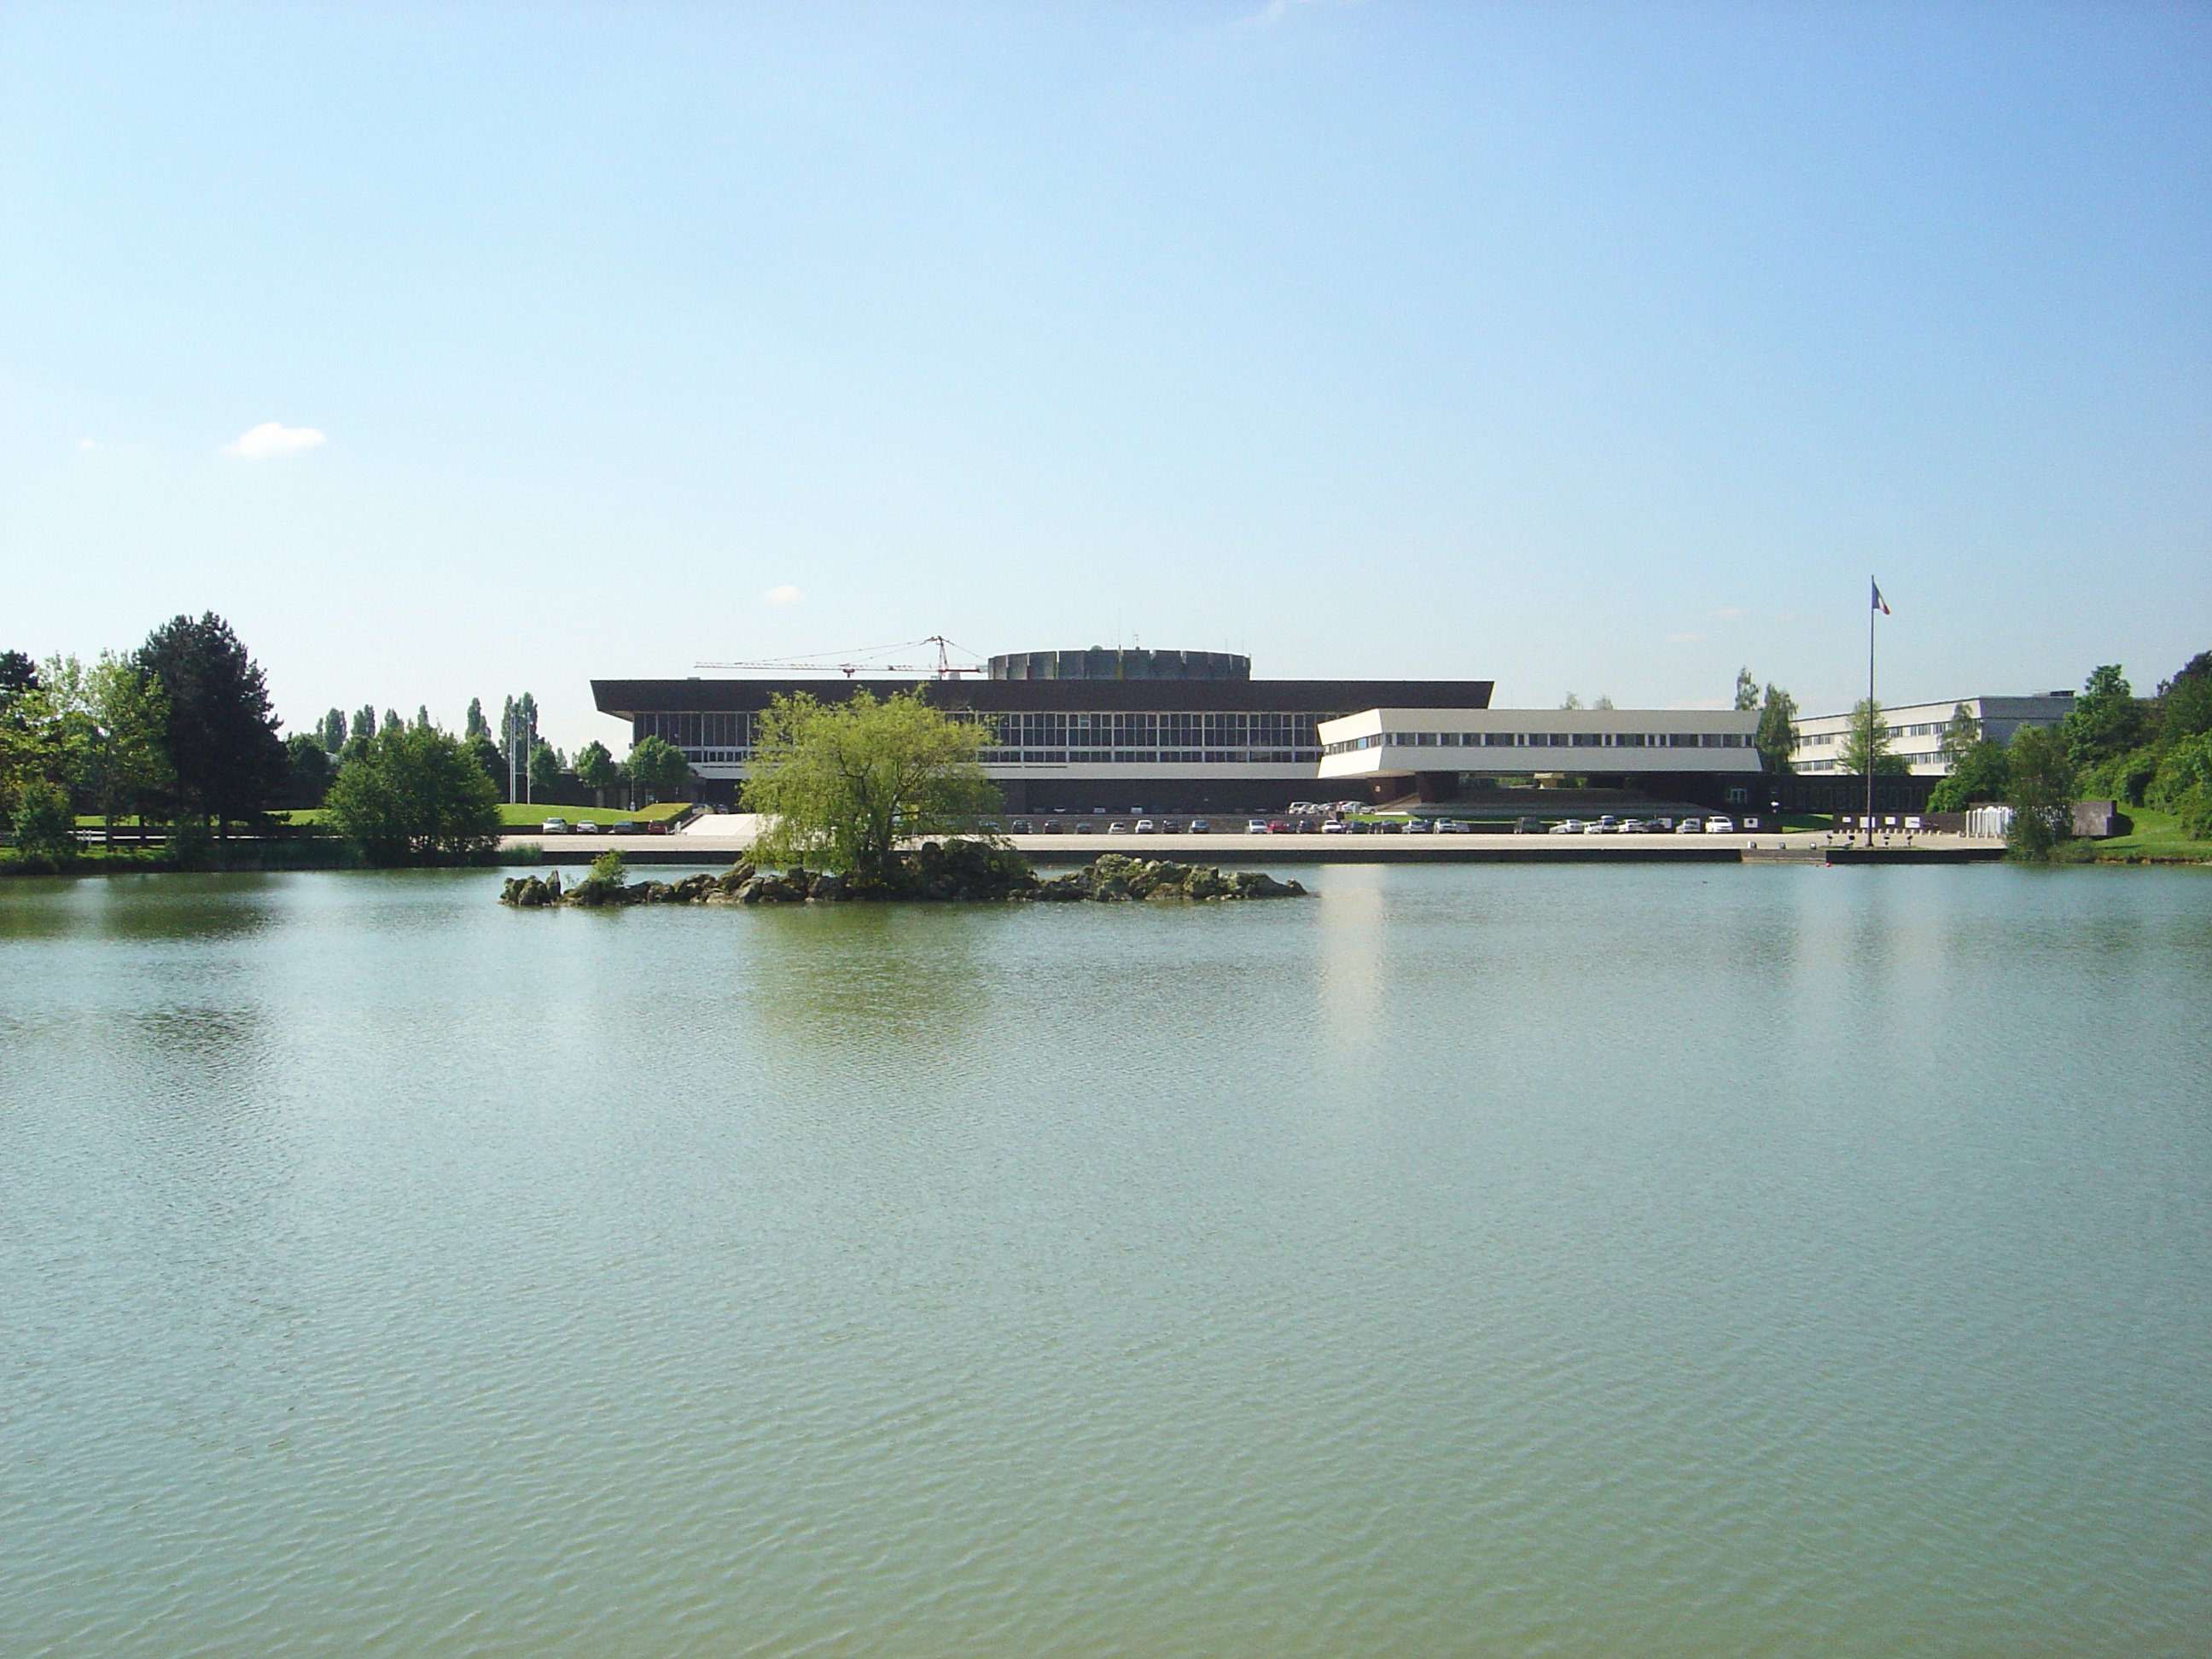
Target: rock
column 829, row 889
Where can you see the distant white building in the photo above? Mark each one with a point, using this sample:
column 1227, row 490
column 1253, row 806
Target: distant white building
column 1916, row 730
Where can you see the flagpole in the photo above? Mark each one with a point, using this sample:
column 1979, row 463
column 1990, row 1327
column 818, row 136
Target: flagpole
column 1872, row 589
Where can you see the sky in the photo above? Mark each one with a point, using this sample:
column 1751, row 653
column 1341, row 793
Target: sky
column 455, row 351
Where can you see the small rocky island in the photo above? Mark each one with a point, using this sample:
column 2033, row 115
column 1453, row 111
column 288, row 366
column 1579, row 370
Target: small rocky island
column 952, row 870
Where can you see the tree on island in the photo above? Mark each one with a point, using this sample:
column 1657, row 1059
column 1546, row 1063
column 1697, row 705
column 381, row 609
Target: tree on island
column 413, row 794
column 657, row 769
column 229, row 763
column 1867, row 745
column 841, row 784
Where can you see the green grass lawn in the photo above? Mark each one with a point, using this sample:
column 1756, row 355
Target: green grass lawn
column 2156, row 836
column 519, row 815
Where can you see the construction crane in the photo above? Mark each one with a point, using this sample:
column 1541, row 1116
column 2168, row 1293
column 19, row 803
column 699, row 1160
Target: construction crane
column 854, row 662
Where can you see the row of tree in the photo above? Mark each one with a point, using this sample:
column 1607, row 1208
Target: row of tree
column 180, row 734
column 2112, row 746
column 178, row 730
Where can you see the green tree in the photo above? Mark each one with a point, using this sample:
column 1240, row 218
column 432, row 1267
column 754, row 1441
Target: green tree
column 332, row 731
column 128, row 767
column 488, row 757
column 310, row 768
column 1746, row 691
column 1776, row 736
column 2040, row 790
column 657, row 768
column 2184, row 702
column 2105, row 721
column 1573, row 700
column 364, row 721
column 46, row 828
column 842, row 783
column 545, row 768
column 1867, row 745
column 477, row 725
column 227, row 761
column 17, row 673
column 596, row 770
column 1980, row 775
column 1960, row 733
column 414, row 795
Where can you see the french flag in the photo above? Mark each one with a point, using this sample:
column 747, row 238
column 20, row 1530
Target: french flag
column 1880, row 602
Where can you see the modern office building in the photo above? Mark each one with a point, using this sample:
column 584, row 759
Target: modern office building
column 1072, row 731
column 1702, row 757
column 1915, row 731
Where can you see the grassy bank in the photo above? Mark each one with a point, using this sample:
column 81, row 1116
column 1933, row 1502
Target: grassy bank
column 2156, row 839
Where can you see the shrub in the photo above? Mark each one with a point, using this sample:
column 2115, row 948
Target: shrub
column 413, row 794
column 44, row 827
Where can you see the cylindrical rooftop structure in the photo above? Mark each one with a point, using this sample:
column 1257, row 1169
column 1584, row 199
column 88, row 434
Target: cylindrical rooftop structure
column 1099, row 663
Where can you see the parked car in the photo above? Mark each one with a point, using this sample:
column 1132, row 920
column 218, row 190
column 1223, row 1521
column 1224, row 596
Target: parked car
column 625, row 827
column 1418, row 826
column 1146, row 827
column 1528, row 827
column 656, row 826
column 1256, row 826
column 1690, row 827
column 1720, row 824
column 1334, row 827
column 554, row 827
column 1052, row 826
column 1633, row 826
column 587, row 826
column 1200, row 827
column 1593, row 827
column 1117, row 828
column 1451, row 827
column 1020, row 827
column 1279, row 826
column 1663, row 825
column 1084, row 828
column 1567, row 826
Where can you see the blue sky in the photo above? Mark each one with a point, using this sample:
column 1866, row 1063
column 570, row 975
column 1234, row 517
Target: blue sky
column 1589, row 348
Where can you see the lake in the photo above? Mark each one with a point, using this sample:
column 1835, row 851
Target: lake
column 1468, row 1260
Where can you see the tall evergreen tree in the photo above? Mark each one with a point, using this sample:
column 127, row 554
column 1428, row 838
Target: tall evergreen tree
column 17, row 673
column 1746, row 691
column 364, row 721
column 332, row 731
column 227, row 760
column 477, row 725
column 1776, row 736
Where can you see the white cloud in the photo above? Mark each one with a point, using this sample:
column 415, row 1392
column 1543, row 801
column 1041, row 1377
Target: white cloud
column 1728, row 613
column 269, row 438
column 87, row 444
column 1683, row 639
column 783, row 593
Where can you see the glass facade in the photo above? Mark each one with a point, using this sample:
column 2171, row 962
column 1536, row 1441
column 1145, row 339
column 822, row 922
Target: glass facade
column 1048, row 739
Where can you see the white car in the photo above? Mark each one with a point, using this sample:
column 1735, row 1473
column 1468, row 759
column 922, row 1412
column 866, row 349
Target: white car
column 1600, row 827
column 1256, row 826
column 587, row 827
column 1334, row 827
column 1416, row 827
column 1146, row 827
column 1722, row 825
column 1117, row 828
column 1690, row 827
column 1567, row 827
column 554, row 827
column 1451, row 827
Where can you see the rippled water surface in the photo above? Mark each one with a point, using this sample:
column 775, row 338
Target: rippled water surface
column 1468, row 1260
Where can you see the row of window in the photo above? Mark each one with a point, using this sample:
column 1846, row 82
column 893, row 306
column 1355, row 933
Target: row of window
column 1005, row 757
column 1830, row 740
column 1544, row 741
column 1192, row 737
